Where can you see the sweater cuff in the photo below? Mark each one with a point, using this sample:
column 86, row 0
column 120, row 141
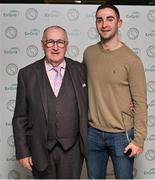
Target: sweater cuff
column 139, row 141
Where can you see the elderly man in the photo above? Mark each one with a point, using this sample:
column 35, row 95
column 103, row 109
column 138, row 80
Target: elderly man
column 50, row 118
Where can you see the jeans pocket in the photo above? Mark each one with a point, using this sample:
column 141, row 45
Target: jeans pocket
column 120, row 143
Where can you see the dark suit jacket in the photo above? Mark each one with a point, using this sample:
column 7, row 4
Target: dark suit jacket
column 31, row 117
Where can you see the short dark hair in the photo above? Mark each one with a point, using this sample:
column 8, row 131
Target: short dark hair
column 114, row 8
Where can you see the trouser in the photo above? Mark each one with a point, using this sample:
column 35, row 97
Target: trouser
column 101, row 145
column 62, row 164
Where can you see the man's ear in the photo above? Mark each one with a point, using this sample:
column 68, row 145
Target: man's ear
column 119, row 23
column 42, row 44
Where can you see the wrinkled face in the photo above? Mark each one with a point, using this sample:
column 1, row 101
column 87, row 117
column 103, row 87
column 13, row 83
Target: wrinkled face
column 54, row 44
column 107, row 24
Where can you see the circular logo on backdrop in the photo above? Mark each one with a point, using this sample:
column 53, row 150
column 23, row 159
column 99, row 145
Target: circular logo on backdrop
column 31, row 14
column 11, row 32
column 151, row 121
column 92, row 33
column 32, row 51
column 150, row 155
column 151, row 16
column 13, row 174
column 10, row 141
column 133, row 33
column 11, row 69
column 73, row 14
column 151, row 51
column 73, row 51
column 11, row 105
column 151, row 86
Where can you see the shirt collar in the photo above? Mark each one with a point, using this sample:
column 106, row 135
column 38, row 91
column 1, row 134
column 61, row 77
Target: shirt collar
column 49, row 66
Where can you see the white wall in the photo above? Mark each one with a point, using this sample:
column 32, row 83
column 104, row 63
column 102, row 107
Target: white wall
column 21, row 28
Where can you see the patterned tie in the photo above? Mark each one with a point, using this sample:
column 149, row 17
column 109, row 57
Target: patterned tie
column 57, row 80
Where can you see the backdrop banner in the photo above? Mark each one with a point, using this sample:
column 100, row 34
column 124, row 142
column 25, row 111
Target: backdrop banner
column 21, row 28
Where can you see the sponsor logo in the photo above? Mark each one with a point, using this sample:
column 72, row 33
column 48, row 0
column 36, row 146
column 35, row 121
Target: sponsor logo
column 136, row 50
column 53, row 14
column 13, row 158
column 31, row 14
column 33, row 32
column 11, row 69
column 10, row 141
column 13, row 50
column 32, row 51
column 133, row 33
column 133, row 15
column 151, row 121
column 92, row 15
column 151, row 86
column 151, row 51
column 12, row 87
column 73, row 14
column 11, row 105
column 74, row 32
column 92, row 33
column 151, row 16
column 13, row 174
column 73, row 51
column 11, row 13
column 150, row 155
column 151, row 69
column 8, row 124
column 152, row 103
column 11, row 32
column 151, row 137
column 150, row 172
column 150, row 34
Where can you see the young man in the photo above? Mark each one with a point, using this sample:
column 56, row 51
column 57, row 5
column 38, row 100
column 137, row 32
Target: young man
column 50, row 118
column 115, row 78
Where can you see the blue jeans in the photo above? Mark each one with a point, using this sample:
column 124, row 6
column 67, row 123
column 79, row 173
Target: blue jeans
column 101, row 145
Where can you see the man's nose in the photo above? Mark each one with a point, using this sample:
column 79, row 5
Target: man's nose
column 55, row 46
column 104, row 24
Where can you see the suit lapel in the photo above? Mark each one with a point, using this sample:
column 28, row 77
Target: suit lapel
column 41, row 73
column 74, row 77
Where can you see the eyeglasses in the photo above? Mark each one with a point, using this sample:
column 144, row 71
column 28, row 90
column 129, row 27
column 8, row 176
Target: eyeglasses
column 50, row 43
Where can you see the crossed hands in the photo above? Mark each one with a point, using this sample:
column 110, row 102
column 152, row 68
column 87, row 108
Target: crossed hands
column 26, row 162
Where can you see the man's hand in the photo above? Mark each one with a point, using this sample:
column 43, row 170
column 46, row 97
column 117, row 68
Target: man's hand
column 132, row 106
column 26, row 162
column 135, row 150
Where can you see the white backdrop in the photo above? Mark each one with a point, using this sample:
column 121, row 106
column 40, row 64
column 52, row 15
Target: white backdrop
column 21, row 28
